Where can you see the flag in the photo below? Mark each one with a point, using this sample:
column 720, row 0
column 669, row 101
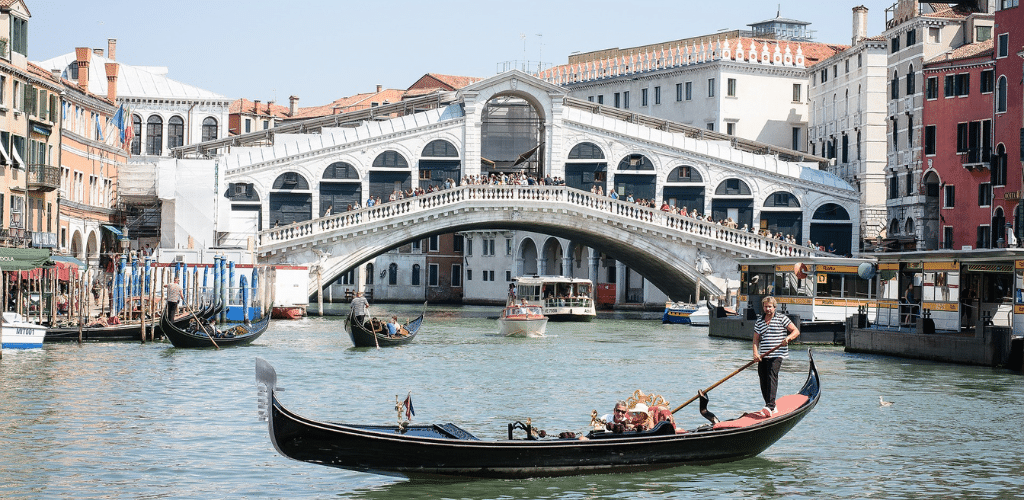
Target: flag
column 129, row 131
column 118, row 121
column 409, row 411
column 99, row 130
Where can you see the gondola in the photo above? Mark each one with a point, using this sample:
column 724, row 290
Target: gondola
column 231, row 335
column 363, row 335
column 422, row 450
column 119, row 332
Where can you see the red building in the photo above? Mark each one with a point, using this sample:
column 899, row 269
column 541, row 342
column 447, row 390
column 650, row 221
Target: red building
column 957, row 148
column 1007, row 121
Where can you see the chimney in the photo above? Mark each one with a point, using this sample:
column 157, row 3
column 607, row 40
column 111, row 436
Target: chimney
column 82, row 59
column 256, row 107
column 98, row 52
column 56, row 73
column 269, row 104
column 293, row 105
column 379, row 88
column 112, row 69
column 111, row 48
column 860, row 23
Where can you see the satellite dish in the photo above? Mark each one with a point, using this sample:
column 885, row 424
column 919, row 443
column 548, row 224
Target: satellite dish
column 800, row 270
column 866, row 270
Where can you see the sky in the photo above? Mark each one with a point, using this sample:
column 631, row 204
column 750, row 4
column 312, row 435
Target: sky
column 322, row 50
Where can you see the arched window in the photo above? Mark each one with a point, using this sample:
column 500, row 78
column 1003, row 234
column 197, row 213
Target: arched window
column 369, row 274
column 781, row 199
column 894, row 85
column 586, row 151
column 1001, row 94
column 209, row 128
column 340, row 170
column 415, row 275
column 390, row 159
column 684, row 173
column 291, row 181
column 909, row 227
column 911, row 81
column 440, row 148
column 831, row 211
column 175, row 132
column 136, row 135
column 894, row 228
column 733, row 187
column 154, row 135
column 636, row 162
column 393, row 274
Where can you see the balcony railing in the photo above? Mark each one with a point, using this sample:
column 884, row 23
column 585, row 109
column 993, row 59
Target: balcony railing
column 976, row 158
column 42, row 177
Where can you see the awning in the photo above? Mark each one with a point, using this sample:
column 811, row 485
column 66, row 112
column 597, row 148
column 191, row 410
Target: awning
column 117, row 232
column 18, row 162
column 6, row 157
column 22, row 259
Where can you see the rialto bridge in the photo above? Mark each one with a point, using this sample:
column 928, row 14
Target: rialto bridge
column 301, row 196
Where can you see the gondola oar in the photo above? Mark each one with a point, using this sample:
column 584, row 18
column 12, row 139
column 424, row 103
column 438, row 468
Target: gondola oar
column 731, row 375
column 199, row 323
column 374, row 332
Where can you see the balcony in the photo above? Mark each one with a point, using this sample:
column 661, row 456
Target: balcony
column 976, row 158
column 42, row 177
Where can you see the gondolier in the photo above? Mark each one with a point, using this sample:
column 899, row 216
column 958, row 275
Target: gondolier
column 359, row 305
column 771, row 330
column 173, row 295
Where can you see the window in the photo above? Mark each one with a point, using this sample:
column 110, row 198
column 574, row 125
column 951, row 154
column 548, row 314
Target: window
column 929, row 139
column 469, row 275
column 488, row 247
column 175, row 132
column 710, row 126
column 432, row 275
column 469, row 246
column 248, row 125
column 657, row 95
column 137, row 135
column 846, row 149
column 643, row 97
column 963, row 84
column 730, row 128
column 689, row 91
column 983, row 237
column 679, row 92
column 600, row 99
column 433, row 244
column 797, row 92
column 894, row 86
column 947, row 237
column 730, row 87
column 982, row 33
column 19, row 35
column 931, row 88
column 934, row 35
column 415, row 278
column 590, row 98
column 949, row 200
column 895, row 133
column 1006, row 4
column 910, row 131
column 508, row 275
column 1001, row 95
column 910, row 184
column 456, row 275
column 1003, row 45
column 984, row 194
column 154, row 135
column 457, row 243
column 508, row 247
column 625, row 100
column 911, row 82
column 895, row 44
column 209, row 128
column 824, row 75
column 950, row 86
column 847, row 66
column 987, row 79
column 393, row 274
column 835, row 70
column 911, row 37
column 797, row 143
column 711, row 87
column 618, row 100
column 961, row 137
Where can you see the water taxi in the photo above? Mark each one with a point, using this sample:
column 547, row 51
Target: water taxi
column 17, row 333
column 522, row 321
column 561, row 298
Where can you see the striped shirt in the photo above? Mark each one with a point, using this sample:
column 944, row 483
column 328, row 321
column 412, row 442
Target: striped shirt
column 772, row 334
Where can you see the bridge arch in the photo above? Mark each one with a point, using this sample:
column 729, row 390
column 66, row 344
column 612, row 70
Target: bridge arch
column 685, row 187
column 636, row 175
column 439, row 160
column 290, row 199
column 390, row 171
column 552, row 257
column 781, row 213
column 586, row 166
column 733, row 199
column 528, row 257
column 831, row 225
column 340, row 187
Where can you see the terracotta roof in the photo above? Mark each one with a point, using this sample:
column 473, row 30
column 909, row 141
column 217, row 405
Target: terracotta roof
column 948, row 11
column 965, row 52
column 434, row 81
column 41, row 72
column 347, row 104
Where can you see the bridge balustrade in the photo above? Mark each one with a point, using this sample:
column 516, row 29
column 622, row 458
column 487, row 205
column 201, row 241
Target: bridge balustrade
column 368, row 216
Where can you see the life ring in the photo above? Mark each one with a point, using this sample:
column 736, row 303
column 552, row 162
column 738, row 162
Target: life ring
column 800, row 270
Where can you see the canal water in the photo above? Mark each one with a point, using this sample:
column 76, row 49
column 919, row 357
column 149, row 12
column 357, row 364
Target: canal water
column 129, row 420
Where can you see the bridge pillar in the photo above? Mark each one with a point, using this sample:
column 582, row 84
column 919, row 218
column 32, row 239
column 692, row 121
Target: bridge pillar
column 595, row 267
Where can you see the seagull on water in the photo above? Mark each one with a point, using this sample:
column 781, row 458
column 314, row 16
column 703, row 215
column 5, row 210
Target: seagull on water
column 882, row 402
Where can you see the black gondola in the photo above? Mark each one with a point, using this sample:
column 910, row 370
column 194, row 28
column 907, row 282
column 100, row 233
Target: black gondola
column 235, row 334
column 373, row 333
column 124, row 331
column 447, row 450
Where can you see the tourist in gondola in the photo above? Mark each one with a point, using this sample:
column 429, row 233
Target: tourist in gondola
column 771, row 330
column 393, row 326
column 173, row 295
column 359, row 306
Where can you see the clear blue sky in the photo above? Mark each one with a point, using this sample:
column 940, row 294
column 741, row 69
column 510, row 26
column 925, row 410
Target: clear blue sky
column 321, row 50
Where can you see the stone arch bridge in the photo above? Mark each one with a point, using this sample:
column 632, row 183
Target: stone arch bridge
column 662, row 247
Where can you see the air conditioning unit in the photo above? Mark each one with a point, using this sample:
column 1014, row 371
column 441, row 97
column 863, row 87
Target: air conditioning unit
column 179, row 258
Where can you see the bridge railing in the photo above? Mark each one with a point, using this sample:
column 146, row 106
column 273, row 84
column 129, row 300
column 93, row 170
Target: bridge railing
column 370, row 216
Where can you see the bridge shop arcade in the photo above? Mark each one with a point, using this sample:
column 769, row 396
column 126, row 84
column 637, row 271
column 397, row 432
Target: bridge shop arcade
column 954, row 306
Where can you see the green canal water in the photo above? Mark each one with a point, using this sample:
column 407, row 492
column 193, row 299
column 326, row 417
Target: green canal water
column 129, row 420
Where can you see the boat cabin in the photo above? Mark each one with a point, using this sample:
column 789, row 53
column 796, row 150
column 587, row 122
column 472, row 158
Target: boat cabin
column 562, row 298
column 811, row 288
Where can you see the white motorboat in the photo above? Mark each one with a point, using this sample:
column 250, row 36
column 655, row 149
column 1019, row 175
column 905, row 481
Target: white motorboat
column 16, row 333
column 522, row 321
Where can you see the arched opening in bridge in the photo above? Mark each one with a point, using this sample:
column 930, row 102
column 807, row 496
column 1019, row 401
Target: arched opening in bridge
column 578, row 264
column 340, row 188
column 782, row 214
column 290, row 199
column 92, row 248
column 246, row 213
column 511, row 135
column 76, row 246
column 389, row 175
column 552, row 258
column 684, row 187
column 831, row 228
column 439, row 162
column 635, row 177
column 585, row 167
column 528, row 258
column 733, row 199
